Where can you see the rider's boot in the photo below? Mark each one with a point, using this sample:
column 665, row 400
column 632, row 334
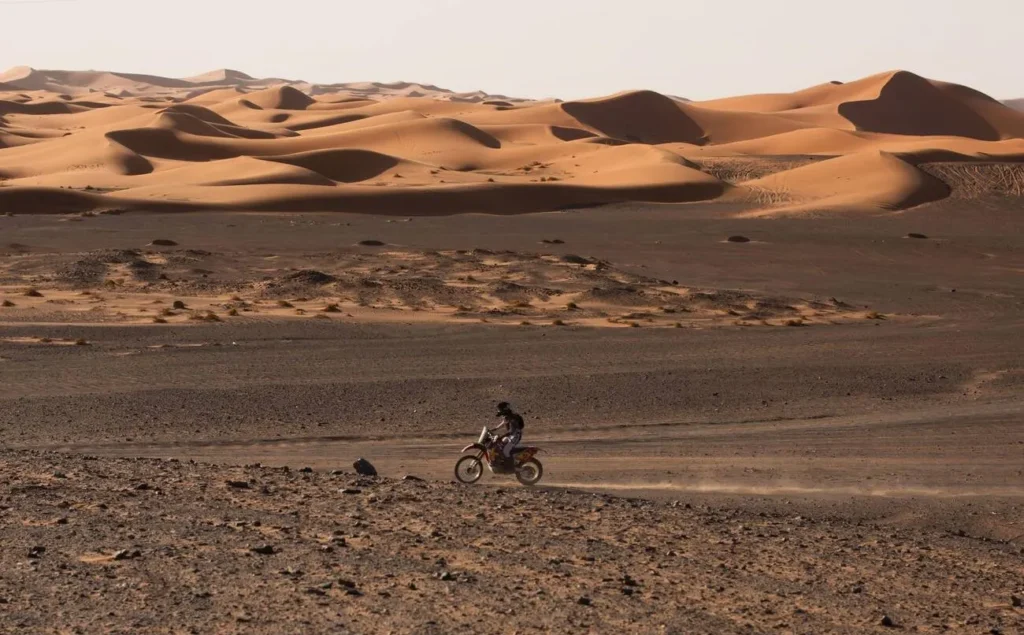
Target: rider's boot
column 504, row 464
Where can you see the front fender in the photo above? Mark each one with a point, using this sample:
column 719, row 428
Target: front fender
column 474, row 446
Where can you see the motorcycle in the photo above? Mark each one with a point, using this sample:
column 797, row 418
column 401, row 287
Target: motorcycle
column 487, row 450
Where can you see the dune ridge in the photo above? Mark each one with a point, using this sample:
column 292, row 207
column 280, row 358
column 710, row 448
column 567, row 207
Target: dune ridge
column 76, row 141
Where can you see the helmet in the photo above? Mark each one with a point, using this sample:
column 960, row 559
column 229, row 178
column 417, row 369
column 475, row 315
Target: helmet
column 504, row 406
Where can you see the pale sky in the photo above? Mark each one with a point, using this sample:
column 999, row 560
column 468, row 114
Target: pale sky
column 700, row 49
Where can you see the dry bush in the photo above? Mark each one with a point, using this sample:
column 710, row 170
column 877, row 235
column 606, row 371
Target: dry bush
column 972, row 180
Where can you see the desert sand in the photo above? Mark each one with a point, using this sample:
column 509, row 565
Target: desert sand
column 770, row 348
column 100, row 141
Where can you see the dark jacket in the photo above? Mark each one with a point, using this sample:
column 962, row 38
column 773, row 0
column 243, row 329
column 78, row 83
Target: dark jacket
column 512, row 421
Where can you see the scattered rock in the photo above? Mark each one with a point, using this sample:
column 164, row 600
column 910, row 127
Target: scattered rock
column 238, row 484
column 916, row 235
column 410, row 477
column 887, row 622
column 364, row 468
column 309, row 277
column 738, row 239
column 573, row 259
column 306, row 470
column 1017, row 602
column 163, row 242
column 264, row 550
column 372, row 243
column 178, row 304
column 36, row 552
column 350, row 490
column 445, row 576
column 33, row 293
column 126, row 554
column 553, row 241
column 583, row 601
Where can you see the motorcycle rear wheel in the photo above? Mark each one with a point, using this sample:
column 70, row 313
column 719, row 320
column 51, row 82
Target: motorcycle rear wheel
column 469, row 469
column 530, row 472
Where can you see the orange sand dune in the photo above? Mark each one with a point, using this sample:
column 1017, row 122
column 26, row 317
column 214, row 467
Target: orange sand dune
column 897, row 102
column 92, row 140
column 866, row 180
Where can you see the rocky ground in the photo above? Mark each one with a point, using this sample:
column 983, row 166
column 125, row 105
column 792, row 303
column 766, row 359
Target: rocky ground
column 162, row 284
column 140, row 546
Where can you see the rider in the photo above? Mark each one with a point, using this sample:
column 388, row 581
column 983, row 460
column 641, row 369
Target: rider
column 513, row 425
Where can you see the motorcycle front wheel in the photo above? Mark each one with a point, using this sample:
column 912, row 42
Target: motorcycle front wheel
column 469, row 469
column 530, row 472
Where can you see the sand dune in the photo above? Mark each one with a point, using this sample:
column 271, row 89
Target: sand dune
column 866, row 180
column 227, row 140
column 897, row 102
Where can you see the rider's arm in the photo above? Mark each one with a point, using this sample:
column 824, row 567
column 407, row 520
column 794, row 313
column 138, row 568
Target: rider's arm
column 503, row 424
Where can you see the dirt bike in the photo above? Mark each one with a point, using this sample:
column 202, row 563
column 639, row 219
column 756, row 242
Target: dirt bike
column 487, row 450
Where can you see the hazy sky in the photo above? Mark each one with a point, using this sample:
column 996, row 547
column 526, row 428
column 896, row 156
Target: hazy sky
column 699, row 49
